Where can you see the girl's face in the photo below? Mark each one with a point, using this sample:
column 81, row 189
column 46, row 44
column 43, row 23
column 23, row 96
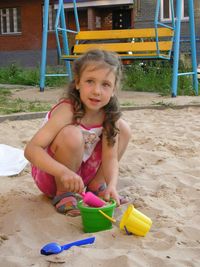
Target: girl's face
column 96, row 86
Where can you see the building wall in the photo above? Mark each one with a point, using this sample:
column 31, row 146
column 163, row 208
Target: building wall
column 144, row 14
column 144, row 17
column 21, row 48
column 87, row 19
column 25, row 48
column 197, row 26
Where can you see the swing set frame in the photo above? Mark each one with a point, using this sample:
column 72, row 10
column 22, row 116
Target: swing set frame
column 130, row 44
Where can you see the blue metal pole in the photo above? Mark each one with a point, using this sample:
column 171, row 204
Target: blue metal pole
column 56, row 28
column 172, row 24
column 193, row 44
column 44, row 45
column 65, row 39
column 76, row 16
column 176, row 48
column 172, row 13
column 156, row 25
column 157, row 12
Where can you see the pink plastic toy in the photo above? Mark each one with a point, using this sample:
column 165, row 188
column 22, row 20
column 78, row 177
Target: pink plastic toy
column 92, row 200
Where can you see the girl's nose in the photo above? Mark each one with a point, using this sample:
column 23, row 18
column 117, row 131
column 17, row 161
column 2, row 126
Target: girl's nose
column 97, row 89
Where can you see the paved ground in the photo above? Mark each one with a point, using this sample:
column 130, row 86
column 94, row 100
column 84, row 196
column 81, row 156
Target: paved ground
column 136, row 99
column 129, row 100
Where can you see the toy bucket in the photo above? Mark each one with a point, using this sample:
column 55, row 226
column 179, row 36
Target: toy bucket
column 93, row 220
column 135, row 222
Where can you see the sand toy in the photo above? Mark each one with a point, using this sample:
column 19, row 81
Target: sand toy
column 55, row 248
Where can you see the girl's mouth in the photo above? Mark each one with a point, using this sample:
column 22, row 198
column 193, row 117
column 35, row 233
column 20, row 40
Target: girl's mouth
column 94, row 100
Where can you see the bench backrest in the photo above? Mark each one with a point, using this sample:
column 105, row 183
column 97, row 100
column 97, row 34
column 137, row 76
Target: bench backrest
column 123, row 34
column 135, row 41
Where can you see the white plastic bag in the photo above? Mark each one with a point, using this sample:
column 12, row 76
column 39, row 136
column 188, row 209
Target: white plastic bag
column 12, row 160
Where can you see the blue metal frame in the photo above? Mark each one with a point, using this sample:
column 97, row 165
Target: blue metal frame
column 177, row 47
column 44, row 45
column 158, row 23
column 175, row 25
column 60, row 20
column 193, row 45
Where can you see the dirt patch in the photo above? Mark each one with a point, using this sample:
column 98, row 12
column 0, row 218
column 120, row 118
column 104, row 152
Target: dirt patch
column 126, row 98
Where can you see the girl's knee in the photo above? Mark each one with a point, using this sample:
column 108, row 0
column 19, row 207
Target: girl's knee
column 69, row 137
column 125, row 130
column 124, row 137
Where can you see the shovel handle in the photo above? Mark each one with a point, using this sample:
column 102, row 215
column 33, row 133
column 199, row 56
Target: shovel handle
column 81, row 242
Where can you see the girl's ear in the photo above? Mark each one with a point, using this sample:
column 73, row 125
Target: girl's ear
column 77, row 84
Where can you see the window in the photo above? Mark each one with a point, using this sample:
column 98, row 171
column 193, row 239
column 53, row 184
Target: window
column 138, row 6
column 10, row 20
column 98, row 22
column 166, row 12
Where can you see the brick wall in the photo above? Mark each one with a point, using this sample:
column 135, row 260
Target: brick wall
column 31, row 21
column 144, row 15
column 25, row 48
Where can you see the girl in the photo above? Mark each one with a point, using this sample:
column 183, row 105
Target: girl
column 83, row 136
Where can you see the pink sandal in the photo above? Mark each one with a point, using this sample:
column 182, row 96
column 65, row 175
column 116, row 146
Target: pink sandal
column 66, row 203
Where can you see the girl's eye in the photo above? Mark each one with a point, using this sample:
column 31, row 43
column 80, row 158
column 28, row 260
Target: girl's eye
column 89, row 81
column 106, row 85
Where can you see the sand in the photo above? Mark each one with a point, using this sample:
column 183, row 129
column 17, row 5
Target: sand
column 160, row 173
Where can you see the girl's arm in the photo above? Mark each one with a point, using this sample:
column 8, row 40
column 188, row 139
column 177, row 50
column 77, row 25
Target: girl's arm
column 35, row 150
column 110, row 165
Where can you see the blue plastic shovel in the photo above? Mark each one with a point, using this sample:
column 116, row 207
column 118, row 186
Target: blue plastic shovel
column 54, row 248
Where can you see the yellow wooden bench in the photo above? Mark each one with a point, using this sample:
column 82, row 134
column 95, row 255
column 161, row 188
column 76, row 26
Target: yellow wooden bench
column 129, row 44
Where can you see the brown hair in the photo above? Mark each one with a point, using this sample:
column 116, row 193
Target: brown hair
column 112, row 111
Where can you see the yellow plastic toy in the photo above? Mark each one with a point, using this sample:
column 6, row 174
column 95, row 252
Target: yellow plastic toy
column 135, row 222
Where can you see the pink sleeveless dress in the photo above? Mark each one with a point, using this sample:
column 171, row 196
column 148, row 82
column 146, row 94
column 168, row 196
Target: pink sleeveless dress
column 91, row 158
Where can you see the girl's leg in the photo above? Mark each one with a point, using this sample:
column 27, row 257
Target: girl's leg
column 68, row 148
column 98, row 185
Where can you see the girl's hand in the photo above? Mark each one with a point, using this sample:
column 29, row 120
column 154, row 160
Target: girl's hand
column 111, row 192
column 71, row 182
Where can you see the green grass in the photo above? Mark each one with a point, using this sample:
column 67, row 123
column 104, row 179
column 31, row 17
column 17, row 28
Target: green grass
column 9, row 105
column 14, row 74
column 156, row 76
column 153, row 76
